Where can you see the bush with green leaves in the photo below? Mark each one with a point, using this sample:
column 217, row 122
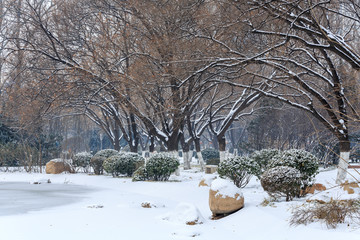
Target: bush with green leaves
column 305, row 162
column 140, row 174
column 106, row 153
column 123, row 164
column 262, row 158
column 158, row 168
column 213, row 161
column 96, row 163
column 238, row 169
column 82, row 160
column 210, row 153
column 282, row 181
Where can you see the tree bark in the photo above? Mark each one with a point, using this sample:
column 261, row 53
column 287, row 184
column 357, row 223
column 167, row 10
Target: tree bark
column 199, row 154
column 186, row 156
column 152, row 145
column 222, row 146
column 343, row 161
column 116, row 141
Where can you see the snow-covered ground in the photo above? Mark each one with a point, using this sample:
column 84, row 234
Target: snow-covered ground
column 80, row 206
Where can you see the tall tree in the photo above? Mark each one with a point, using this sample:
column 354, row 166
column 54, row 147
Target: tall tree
column 305, row 48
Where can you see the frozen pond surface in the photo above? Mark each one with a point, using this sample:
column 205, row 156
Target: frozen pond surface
column 22, row 197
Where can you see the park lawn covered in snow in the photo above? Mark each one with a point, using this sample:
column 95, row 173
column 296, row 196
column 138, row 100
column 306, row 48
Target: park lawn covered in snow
column 102, row 207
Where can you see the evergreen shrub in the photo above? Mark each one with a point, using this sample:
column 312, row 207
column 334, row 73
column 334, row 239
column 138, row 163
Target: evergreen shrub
column 158, row 168
column 262, row 159
column 82, row 159
column 123, row 163
column 210, row 153
column 282, row 181
column 305, row 162
column 238, row 169
column 106, row 153
column 96, row 163
column 213, row 161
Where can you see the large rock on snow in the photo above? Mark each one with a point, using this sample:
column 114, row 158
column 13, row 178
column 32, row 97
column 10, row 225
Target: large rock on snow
column 57, row 166
column 224, row 197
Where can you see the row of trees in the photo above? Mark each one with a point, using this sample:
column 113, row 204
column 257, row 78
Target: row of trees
column 168, row 71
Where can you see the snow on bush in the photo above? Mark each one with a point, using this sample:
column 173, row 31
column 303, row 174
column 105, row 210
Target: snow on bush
column 56, row 160
column 123, row 163
column 238, row 169
column 106, row 153
column 158, row 168
column 98, row 159
column 82, row 159
column 261, row 160
column 282, row 181
column 225, row 188
column 302, row 160
column 185, row 213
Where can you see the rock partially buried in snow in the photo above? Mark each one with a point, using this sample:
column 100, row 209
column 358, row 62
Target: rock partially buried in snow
column 224, row 197
column 57, row 166
column 185, row 213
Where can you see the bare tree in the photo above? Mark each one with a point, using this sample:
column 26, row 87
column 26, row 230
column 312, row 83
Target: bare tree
column 305, row 48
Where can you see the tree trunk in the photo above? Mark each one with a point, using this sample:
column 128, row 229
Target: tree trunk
column 152, row 145
column 198, row 153
column 133, row 148
column 343, row 161
column 214, row 141
column 222, row 147
column 40, row 156
column 186, row 156
column 116, row 142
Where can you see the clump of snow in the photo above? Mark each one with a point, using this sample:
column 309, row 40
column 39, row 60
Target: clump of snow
column 40, row 180
column 208, row 179
column 57, row 160
column 225, row 188
column 185, row 213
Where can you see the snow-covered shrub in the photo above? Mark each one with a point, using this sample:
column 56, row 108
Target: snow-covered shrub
column 282, row 181
column 106, row 153
column 238, row 169
column 262, row 159
column 96, row 163
column 210, row 153
column 140, row 174
column 123, row 163
column 82, row 160
column 302, row 160
column 158, row 168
